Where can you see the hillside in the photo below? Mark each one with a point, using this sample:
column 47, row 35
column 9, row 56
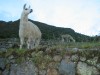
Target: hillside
column 10, row 29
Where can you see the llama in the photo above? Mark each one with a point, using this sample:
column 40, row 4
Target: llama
column 29, row 33
column 67, row 38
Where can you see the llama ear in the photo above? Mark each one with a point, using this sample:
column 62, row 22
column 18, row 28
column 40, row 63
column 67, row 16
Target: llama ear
column 29, row 6
column 24, row 6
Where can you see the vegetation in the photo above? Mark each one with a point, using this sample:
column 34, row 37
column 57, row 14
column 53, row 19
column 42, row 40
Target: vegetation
column 10, row 30
column 83, row 45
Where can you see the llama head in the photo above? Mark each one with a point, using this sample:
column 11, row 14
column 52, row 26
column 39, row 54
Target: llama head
column 26, row 11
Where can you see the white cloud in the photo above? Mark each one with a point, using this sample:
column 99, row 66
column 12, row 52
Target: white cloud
column 79, row 15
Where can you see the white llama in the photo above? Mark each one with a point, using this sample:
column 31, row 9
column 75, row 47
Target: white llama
column 29, row 33
column 67, row 38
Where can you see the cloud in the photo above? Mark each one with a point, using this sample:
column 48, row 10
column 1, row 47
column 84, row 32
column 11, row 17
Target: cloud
column 80, row 15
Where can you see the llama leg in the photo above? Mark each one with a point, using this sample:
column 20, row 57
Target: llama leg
column 37, row 42
column 62, row 39
column 33, row 44
column 21, row 42
column 28, row 43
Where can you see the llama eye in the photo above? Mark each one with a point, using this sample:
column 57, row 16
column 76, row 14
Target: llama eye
column 26, row 9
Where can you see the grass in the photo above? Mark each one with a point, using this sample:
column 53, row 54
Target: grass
column 82, row 45
column 89, row 45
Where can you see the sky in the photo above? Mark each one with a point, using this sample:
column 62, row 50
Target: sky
column 83, row 16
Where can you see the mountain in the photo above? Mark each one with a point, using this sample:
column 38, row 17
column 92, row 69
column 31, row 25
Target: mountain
column 10, row 29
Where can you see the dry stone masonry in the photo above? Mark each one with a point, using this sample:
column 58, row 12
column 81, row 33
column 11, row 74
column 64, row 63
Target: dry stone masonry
column 56, row 62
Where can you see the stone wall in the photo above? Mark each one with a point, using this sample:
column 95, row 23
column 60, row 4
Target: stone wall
column 8, row 43
column 50, row 61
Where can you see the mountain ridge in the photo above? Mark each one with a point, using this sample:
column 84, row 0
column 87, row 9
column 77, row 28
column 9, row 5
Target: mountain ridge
column 10, row 29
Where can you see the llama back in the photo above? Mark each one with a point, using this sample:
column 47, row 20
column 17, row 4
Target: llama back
column 36, row 30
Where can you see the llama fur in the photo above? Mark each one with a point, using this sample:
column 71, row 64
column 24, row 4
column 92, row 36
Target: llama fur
column 67, row 38
column 29, row 33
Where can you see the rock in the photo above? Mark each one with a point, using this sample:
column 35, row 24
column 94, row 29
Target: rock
column 75, row 50
column 82, row 58
column 52, row 71
column 54, row 65
column 57, row 58
column 6, row 72
column 26, row 68
column 10, row 57
column 75, row 58
column 2, row 63
column 92, row 61
column 98, row 66
column 42, row 72
column 10, row 45
column 67, row 67
column 84, row 69
column 3, row 49
column 67, row 58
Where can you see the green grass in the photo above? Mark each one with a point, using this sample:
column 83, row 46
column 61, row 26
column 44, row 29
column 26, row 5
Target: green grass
column 89, row 45
column 82, row 45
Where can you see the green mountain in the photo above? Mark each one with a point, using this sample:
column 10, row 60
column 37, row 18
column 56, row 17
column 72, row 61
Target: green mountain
column 10, row 29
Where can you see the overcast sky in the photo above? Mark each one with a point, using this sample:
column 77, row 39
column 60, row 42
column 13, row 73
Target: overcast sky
column 81, row 15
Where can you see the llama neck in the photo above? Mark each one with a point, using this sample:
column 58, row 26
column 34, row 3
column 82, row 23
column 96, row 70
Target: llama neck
column 24, row 18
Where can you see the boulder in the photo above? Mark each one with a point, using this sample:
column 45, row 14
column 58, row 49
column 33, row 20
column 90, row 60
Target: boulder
column 84, row 69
